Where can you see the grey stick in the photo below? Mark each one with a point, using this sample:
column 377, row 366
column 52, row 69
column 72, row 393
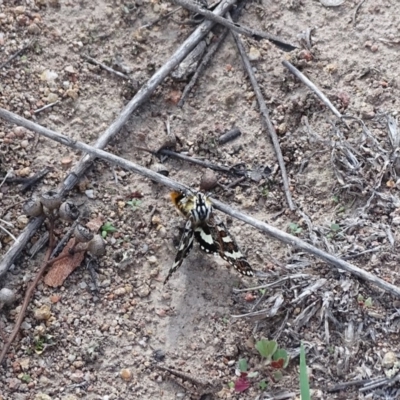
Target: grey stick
column 262, row 226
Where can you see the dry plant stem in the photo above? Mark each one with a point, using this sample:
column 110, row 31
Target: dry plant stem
column 46, row 107
column 244, row 30
column 20, row 51
column 105, row 67
column 262, row 226
column 156, row 21
column 141, row 96
column 311, row 86
column 265, row 117
column 356, row 11
column 28, row 296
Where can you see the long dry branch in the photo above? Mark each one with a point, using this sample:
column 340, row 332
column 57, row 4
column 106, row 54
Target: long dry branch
column 262, row 226
column 244, row 30
column 265, row 117
column 313, row 87
column 141, row 96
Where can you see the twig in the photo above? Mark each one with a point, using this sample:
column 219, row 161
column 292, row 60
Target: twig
column 20, row 51
column 356, row 11
column 344, row 385
column 156, row 21
column 46, row 107
column 229, row 136
column 141, row 96
column 265, row 116
column 8, row 232
column 10, row 207
column 244, row 30
column 211, row 50
column 279, row 281
column 262, row 226
column 27, row 298
column 5, row 178
column 105, row 67
column 311, row 86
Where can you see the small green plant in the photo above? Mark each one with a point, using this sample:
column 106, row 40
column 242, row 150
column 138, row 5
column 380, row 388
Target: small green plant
column 264, row 191
column 367, row 303
column 295, row 229
column 107, row 228
column 134, row 203
column 40, row 343
column 304, row 384
column 26, row 378
column 274, row 360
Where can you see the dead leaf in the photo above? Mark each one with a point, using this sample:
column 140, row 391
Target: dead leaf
column 61, row 269
column 95, row 224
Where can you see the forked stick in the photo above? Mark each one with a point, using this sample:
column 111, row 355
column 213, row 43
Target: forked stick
column 141, row 96
column 262, row 226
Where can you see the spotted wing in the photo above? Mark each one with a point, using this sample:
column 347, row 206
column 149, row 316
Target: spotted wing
column 229, row 250
column 205, row 236
column 185, row 245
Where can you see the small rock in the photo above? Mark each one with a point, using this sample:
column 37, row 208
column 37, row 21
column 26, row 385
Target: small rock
column 254, row 54
column 48, row 75
column 72, row 93
column 90, row 194
column 367, row 111
column 156, row 220
column 120, row 291
column 24, row 144
column 20, row 131
column 389, row 359
column 208, row 181
column 66, row 162
column 42, row 396
column 7, row 296
column 43, row 313
column 52, row 98
column 144, row 291
column 70, row 69
column 24, row 172
column 152, row 259
column 33, row 29
column 126, row 374
column 77, row 376
column 22, row 221
column 24, row 362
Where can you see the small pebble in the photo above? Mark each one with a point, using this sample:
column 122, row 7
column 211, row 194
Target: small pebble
column 389, row 359
column 7, row 296
column 126, row 374
column 254, row 54
column 43, row 313
column 90, row 193
column 144, row 291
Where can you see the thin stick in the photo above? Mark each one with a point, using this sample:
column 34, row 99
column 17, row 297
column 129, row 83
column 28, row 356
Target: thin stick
column 8, row 232
column 46, row 107
column 262, row 226
column 265, row 117
column 141, row 96
column 20, row 51
column 311, row 86
column 156, row 21
column 105, row 67
column 356, row 11
column 244, row 30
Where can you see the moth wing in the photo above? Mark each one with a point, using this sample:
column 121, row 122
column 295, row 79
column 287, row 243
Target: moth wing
column 185, row 245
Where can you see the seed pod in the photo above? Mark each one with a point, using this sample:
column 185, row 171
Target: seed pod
column 68, row 211
column 208, row 181
column 82, row 234
column 160, row 168
column 33, row 207
column 51, row 199
column 96, row 246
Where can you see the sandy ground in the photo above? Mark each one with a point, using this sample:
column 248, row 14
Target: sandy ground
column 93, row 340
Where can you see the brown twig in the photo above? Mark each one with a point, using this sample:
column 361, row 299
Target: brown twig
column 356, row 11
column 141, row 96
column 105, row 67
column 311, row 86
column 262, row 226
column 20, row 51
column 265, row 117
column 244, row 30
column 39, row 110
column 28, row 295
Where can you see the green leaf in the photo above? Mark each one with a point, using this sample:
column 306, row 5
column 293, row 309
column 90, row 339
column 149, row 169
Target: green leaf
column 252, row 374
column 281, row 354
column 368, row 302
column 360, row 298
column 277, row 375
column 335, row 228
column 263, row 385
column 242, row 365
column 231, row 385
column 26, row 378
column 266, row 348
column 304, row 385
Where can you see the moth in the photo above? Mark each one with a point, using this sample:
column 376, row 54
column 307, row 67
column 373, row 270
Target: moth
column 211, row 233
